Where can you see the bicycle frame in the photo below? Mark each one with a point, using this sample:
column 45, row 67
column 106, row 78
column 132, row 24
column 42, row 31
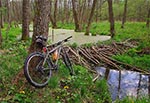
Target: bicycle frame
column 58, row 48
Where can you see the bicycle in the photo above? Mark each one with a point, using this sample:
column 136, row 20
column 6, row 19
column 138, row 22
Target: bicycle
column 39, row 65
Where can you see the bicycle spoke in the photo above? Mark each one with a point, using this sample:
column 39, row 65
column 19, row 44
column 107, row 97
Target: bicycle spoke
column 37, row 73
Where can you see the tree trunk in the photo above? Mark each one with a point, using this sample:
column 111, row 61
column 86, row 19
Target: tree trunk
column 0, row 23
column 107, row 72
column 148, row 18
column 82, row 16
column 55, row 14
column 149, row 86
column 50, row 16
column 1, row 15
column 8, row 18
column 111, row 18
column 76, row 19
column 41, row 22
column 124, row 14
column 53, row 18
column 90, row 18
column 139, row 85
column 8, row 12
column 119, row 83
column 15, row 10
column 97, row 11
column 0, row 38
column 25, row 20
column 65, row 11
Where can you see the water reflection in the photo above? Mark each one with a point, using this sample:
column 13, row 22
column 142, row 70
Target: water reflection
column 125, row 83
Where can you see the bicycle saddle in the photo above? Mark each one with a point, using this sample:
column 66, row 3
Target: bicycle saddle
column 41, row 40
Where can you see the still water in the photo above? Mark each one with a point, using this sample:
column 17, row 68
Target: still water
column 79, row 38
column 125, row 83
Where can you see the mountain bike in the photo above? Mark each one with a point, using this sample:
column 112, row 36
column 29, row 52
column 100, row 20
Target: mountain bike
column 39, row 65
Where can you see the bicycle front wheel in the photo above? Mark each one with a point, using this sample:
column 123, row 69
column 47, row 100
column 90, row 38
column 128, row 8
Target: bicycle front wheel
column 68, row 62
column 37, row 73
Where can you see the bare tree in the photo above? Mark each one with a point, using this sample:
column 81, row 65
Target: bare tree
column 148, row 18
column 90, row 18
column 111, row 18
column 75, row 15
column 0, row 37
column 0, row 23
column 124, row 14
column 99, row 9
column 82, row 13
column 55, row 14
column 54, row 17
column 41, row 22
column 65, row 11
column 25, row 20
column 8, row 17
column 1, row 14
column 8, row 12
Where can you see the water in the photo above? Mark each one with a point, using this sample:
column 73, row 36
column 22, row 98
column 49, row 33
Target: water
column 79, row 38
column 125, row 83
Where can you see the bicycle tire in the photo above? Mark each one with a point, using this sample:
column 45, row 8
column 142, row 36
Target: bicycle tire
column 67, row 62
column 37, row 75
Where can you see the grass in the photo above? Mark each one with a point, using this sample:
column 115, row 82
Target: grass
column 62, row 87
column 133, row 100
column 132, row 31
column 136, row 60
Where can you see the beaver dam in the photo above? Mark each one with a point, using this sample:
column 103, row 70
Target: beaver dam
column 123, row 79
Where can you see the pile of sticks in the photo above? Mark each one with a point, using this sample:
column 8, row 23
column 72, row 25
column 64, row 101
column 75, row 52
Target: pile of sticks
column 101, row 55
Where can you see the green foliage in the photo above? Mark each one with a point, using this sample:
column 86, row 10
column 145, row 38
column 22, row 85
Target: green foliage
column 3, row 10
column 74, row 45
column 134, row 100
column 21, row 98
column 53, row 83
column 136, row 10
column 81, row 88
column 88, row 45
column 12, row 55
column 62, row 87
column 66, row 25
column 132, row 30
column 136, row 60
column 100, row 28
column 11, row 34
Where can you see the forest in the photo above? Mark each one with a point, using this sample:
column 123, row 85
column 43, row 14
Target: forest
column 126, row 22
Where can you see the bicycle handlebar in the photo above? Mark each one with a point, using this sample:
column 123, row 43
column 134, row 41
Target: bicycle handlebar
column 65, row 40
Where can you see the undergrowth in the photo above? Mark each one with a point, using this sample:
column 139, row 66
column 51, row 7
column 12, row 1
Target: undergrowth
column 62, row 87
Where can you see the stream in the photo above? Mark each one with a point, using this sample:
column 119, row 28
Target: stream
column 79, row 38
column 125, row 83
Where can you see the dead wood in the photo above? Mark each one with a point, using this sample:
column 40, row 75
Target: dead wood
column 90, row 57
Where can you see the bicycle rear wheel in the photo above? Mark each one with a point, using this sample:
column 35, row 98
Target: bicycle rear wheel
column 37, row 73
column 67, row 62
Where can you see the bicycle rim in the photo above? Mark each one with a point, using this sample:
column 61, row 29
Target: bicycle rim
column 37, row 74
column 68, row 63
